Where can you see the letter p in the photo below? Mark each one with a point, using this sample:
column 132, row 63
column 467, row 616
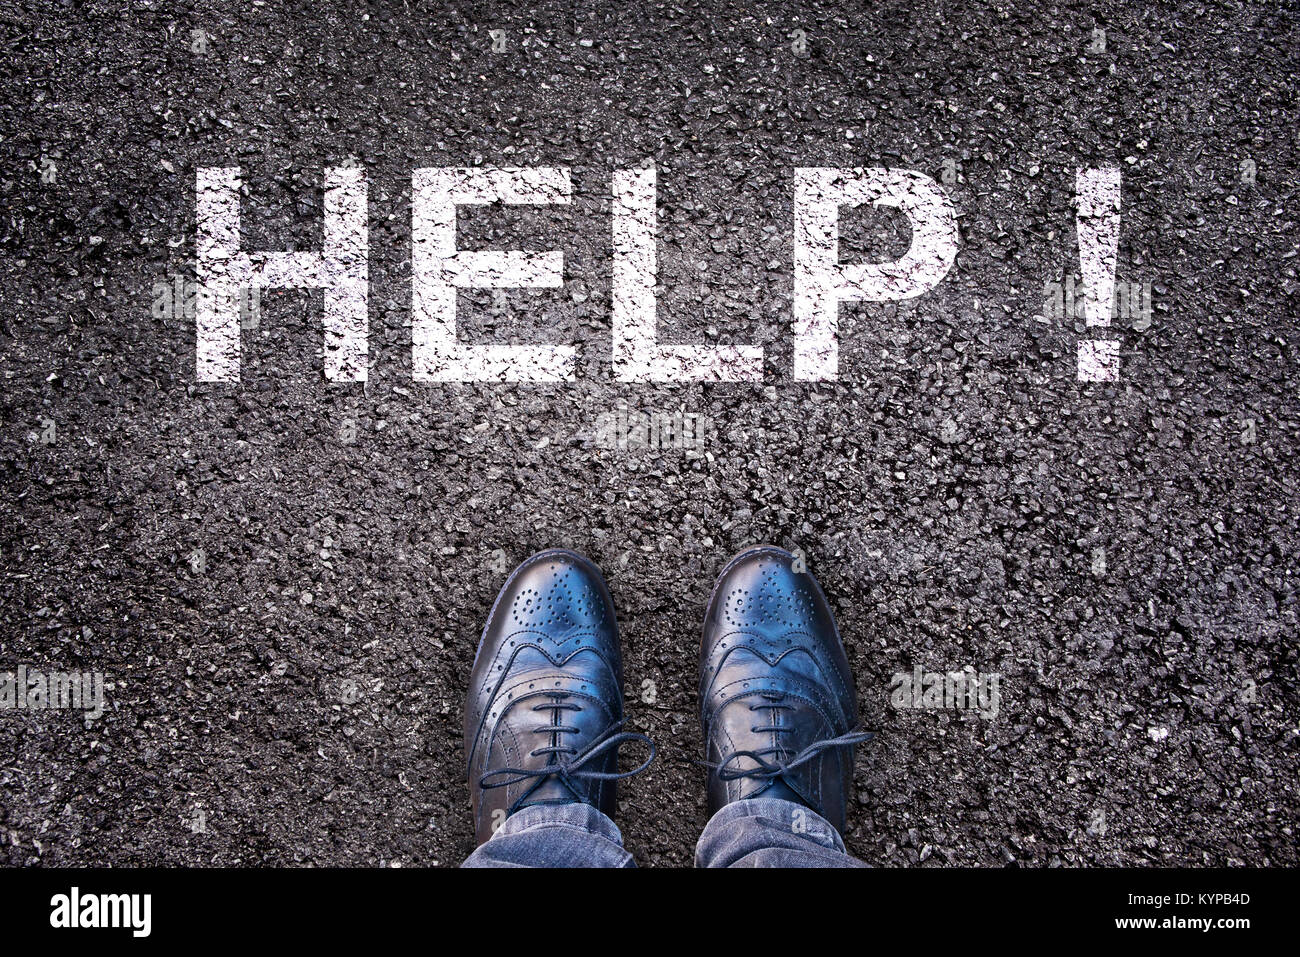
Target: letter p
column 822, row 282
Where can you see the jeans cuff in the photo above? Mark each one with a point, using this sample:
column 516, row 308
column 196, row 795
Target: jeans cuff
column 584, row 817
column 799, row 818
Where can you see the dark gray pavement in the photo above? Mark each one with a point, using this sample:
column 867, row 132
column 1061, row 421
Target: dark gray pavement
column 286, row 618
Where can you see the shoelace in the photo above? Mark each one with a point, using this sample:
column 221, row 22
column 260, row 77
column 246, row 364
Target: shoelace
column 568, row 769
column 770, row 770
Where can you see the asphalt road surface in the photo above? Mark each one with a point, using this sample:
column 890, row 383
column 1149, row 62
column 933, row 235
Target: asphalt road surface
column 282, row 580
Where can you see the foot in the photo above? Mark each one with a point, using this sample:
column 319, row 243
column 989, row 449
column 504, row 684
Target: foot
column 776, row 692
column 544, row 713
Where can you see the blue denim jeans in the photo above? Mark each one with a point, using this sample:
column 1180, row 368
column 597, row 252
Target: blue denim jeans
column 763, row 832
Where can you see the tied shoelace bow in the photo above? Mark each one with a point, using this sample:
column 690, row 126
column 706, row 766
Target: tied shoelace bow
column 566, row 762
column 766, row 770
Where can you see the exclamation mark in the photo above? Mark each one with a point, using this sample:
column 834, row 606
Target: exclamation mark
column 1097, row 227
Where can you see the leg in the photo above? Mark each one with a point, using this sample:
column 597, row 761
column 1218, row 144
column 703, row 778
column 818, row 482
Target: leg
column 780, row 718
column 554, row 835
column 544, row 719
column 770, row 832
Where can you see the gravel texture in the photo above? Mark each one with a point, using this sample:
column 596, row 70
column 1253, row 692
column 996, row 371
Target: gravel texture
column 284, row 579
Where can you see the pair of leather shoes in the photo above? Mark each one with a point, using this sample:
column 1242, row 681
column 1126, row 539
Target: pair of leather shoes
column 544, row 715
